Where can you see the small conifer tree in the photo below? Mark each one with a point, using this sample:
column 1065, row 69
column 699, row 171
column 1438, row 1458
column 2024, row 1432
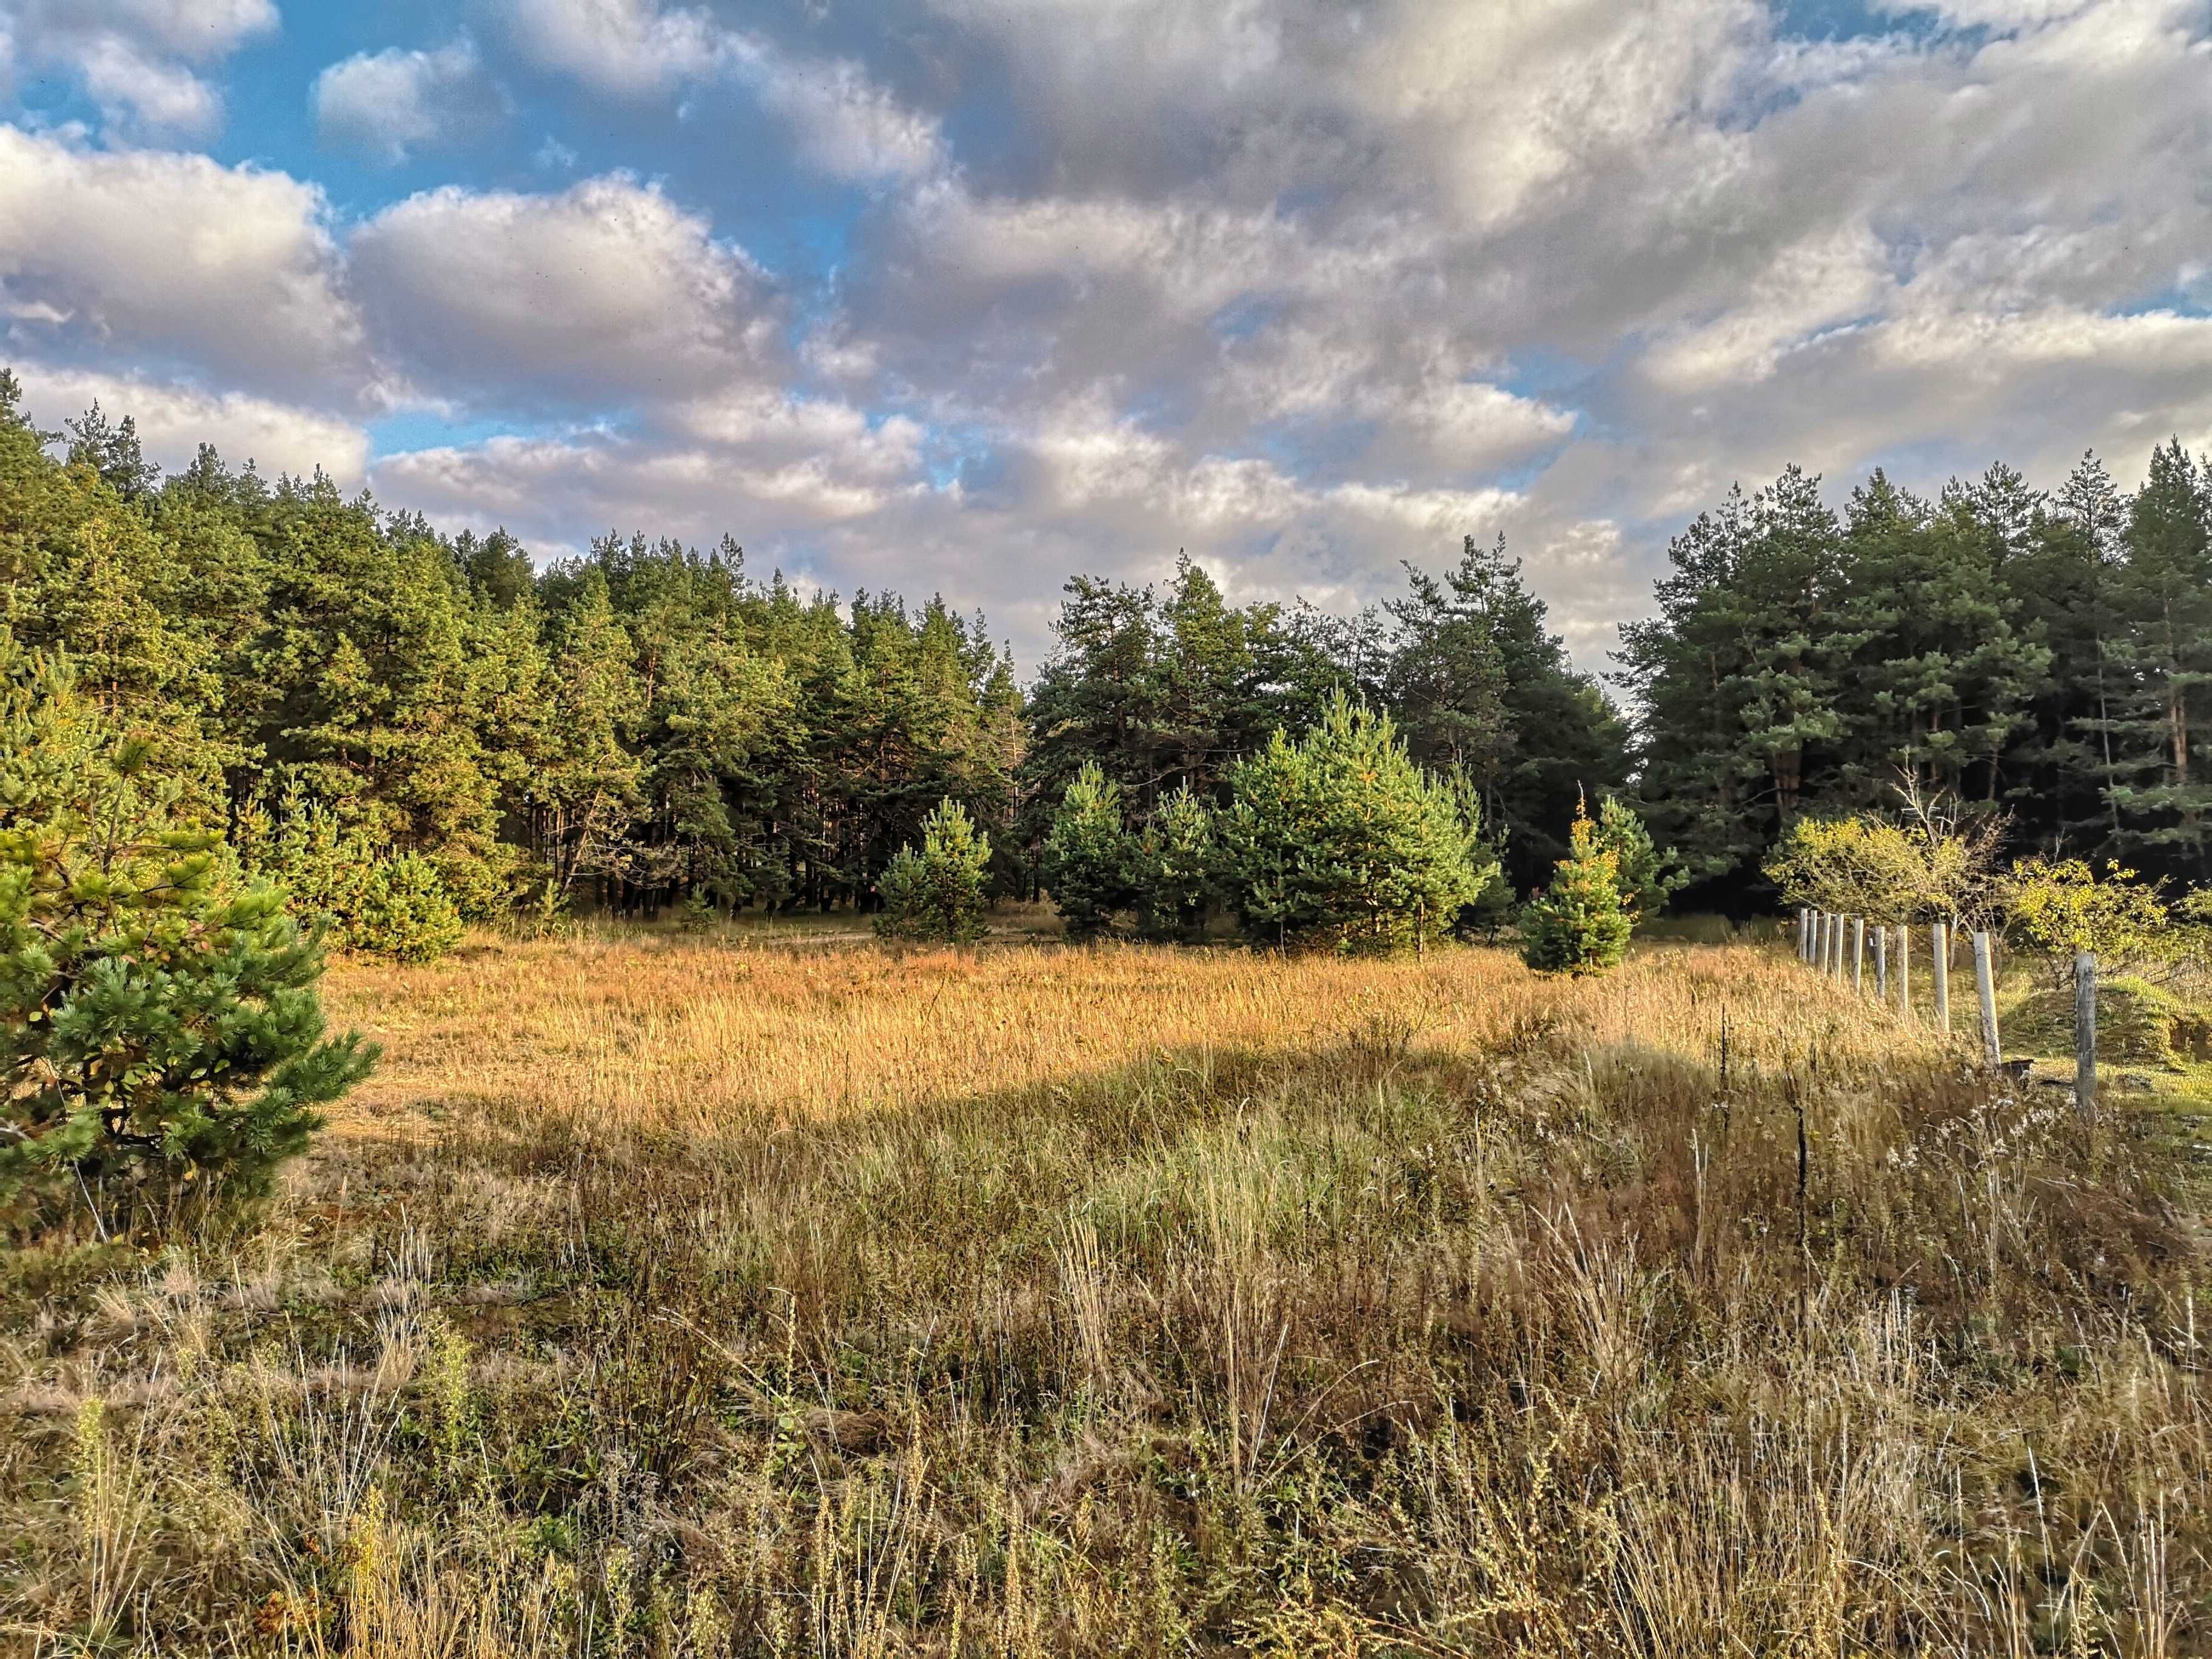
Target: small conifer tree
column 388, row 904
column 1648, row 877
column 1087, row 855
column 1339, row 839
column 1579, row 924
column 406, row 913
column 937, row 894
column 165, row 1045
column 1174, row 868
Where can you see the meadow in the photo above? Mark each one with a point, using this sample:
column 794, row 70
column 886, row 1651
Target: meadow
column 775, row 1293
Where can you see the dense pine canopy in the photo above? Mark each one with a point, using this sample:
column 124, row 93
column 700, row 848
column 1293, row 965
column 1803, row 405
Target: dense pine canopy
column 2044, row 656
column 649, row 723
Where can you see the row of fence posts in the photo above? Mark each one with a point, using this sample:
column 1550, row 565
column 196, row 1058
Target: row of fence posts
column 1837, row 946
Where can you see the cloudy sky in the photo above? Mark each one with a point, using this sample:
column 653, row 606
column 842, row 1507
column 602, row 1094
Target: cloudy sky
column 963, row 295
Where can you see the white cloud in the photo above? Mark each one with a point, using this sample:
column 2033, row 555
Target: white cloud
column 846, row 124
column 604, row 293
column 161, row 96
column 388, row 104
column 630, row 47
column 138, row 250
column 173, row 421
column 136, row 59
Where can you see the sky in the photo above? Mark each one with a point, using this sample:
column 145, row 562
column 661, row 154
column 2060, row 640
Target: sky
column 965, row 296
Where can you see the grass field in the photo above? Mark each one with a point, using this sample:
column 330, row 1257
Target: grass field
column 778, row 1295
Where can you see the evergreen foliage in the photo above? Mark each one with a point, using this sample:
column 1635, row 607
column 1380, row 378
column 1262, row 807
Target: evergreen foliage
column 406, row 913
column 937, row 894
column 1581, row 923
column 1173, row 863
column 2044, row 659
column 1482, row 685
column 1648, row 878
column 165, row 1046
column 346, row 891
column 1339, row 839
column 1088, row 855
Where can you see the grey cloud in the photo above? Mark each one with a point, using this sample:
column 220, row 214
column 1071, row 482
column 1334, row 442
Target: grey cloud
column 844, row 122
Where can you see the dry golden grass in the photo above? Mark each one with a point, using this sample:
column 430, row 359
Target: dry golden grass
column 731, row 1295
column 671, row 1032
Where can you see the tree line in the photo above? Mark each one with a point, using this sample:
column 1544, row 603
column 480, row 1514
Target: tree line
column 411, row 729
column 2044, row 658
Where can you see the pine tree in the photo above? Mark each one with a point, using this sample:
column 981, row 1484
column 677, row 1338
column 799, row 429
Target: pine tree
column 165, row 1043
column 1934, row 680
column 1579, row 924
column 2161, row 595
column 1481, row 684
column 406, row 913
column 1087, row 857
column 1338, row 839
column 1173, row 868
column 2059, row 592
column 1647, row 878
column 937, row 894
column 1739, row 677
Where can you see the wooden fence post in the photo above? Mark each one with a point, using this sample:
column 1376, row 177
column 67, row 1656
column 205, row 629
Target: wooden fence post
column 1905, row 970
column 1859, row 955
column 1986, row 989
column 2085, row 1035
column 1940, row 954
column 1881, row 964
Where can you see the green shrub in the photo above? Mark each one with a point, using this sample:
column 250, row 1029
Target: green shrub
column 1339, row 839
column 2058, row 907
column 166, row 1045
column 1087, row 855
column 1579, row 924
column 937, row 894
